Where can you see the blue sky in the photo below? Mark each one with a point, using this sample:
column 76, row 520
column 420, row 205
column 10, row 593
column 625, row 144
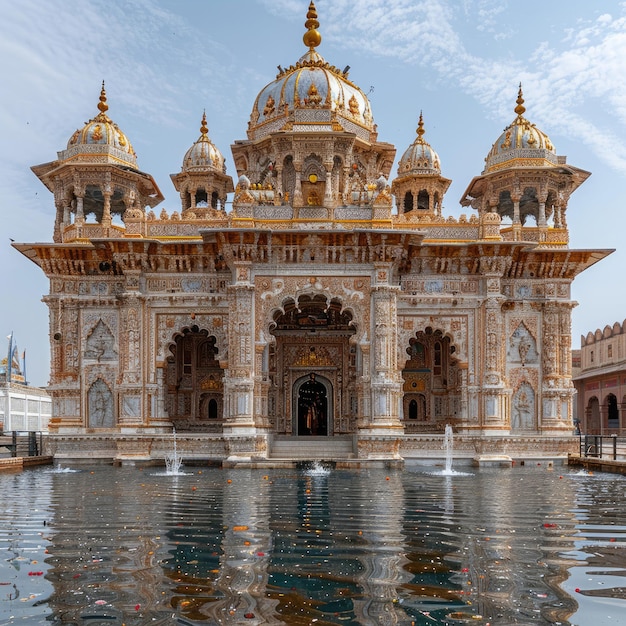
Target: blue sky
column 458, row 61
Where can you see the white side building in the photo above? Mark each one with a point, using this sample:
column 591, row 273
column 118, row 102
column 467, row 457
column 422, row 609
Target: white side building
column 22, row 407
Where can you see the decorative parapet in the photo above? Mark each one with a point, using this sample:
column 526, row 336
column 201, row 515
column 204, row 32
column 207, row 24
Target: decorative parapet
column 551, row 236
column 92, row 231
column 526, row 157
column 285, row 217
column 283, row 212
column 183, row 228
column 347, row 213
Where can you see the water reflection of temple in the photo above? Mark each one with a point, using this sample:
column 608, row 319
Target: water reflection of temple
column 334, row 299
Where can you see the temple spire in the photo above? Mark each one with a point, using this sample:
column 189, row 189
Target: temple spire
column 103, row 107
column 312, row 37
column 520, row 108
column 204, row 130
column 420, row 128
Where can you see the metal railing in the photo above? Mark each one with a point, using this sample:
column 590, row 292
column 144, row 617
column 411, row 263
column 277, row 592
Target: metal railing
column 22, row 442
column 609, row 447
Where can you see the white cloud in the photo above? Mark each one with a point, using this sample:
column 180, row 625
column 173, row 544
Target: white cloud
column 560, row 76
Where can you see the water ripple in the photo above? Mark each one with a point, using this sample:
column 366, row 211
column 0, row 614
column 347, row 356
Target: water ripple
column 102, row 545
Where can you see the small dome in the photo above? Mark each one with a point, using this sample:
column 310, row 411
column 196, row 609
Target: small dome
column 521, row 144
column 311, row 83
column 419, row 157
column 102, row 132
column 203, row 155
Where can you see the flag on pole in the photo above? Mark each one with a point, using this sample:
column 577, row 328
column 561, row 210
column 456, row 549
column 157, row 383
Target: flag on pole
column 9, row 356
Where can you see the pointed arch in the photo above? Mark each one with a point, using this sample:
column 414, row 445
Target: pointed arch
column 592, row 416
column 611, row 409
column 431, row 394
column 310, row 331
column 194, row 394
column 408, row 201
column 100, row 343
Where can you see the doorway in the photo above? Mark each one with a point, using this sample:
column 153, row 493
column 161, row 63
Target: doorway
column 312, row 419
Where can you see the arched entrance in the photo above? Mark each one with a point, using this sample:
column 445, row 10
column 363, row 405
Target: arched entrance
column 311, row 404
column 312, row 366
column 194, row 394
column 592, row 416
column 612, row 412
column 431, row 394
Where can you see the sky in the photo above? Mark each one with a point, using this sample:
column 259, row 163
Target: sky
column 164, row 62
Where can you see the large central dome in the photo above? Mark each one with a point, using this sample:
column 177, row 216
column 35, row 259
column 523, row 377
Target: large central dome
column 311, row 92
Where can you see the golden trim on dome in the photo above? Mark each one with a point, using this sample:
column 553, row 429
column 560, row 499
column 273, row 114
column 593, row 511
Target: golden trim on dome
column 353, row 105
column 270, row 106
column 525, row 163
column 313, row 96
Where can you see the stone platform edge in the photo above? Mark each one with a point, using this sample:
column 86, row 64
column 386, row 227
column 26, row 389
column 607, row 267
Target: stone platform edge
column 20, row 462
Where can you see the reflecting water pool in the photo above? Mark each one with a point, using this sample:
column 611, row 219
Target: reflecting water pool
column 104, row 545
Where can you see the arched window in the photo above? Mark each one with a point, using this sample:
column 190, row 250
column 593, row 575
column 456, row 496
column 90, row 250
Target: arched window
column 612, row 411
column 201, row 198
column 423, row 200
column 437, row 358
column 212, row 409
column 413, row 410
column 408, row 202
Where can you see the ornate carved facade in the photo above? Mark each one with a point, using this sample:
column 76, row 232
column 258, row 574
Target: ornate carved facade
column 317, row 306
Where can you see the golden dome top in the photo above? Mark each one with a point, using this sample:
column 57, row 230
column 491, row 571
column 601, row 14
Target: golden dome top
column 312, row 37
column 419, row 157
column 101, row 135
column 311, row 83
column 521, row 144
column 203, row 154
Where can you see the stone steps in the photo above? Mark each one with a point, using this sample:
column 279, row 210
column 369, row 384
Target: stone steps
column 313, row 448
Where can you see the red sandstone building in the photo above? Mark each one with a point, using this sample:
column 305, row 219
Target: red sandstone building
column 601, row 381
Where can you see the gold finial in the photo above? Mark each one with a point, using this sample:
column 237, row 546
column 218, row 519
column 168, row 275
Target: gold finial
column 103, row 107
column 203, row 127
column 312, row 37
column 520, row 108
column 420, row 128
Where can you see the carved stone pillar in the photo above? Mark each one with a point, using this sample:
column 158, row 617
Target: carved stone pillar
column 347, row 198
column 495, row 396
column 59, row 203
column 517, row 222
column 297, row 192
column 80, row 213
column 328, row 189
column 541, row 217
column 106, row 212
column 239, row 377
column 386, row 382
column 557, row 391
column 261, row 386
column 278, row 196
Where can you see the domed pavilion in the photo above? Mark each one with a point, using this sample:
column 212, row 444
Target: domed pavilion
column 323, row 305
